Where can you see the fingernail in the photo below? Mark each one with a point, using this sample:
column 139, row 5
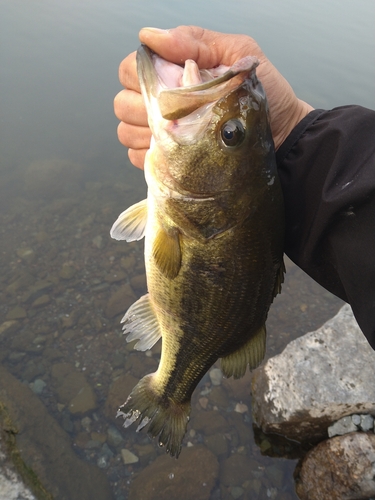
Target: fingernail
column 157, row 31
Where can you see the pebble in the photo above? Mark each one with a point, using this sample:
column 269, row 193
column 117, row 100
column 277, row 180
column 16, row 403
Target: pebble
column 341, row 427
column 241, row 408
column 367, row 422
column 37, row 386
column 128, row 457
column 114, row 436
column 16, row 313
column 216, row 376
column 236, row 491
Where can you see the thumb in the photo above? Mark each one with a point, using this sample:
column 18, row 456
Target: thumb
column 207, row 48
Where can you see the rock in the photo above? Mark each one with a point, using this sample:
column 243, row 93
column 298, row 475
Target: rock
column 341, row 468
column 367, row 422
column 216, row 376
column 114, row 436
column 16, row 313
column 41, row 301
column 84, row 401
column 120, row 301
column 118, row 392
column 67, row 272
column 37, row 386
column 26, row 254
column 192, row 476
column 209, row 422
column 46, row 447
column 9, row 326
column 342, row 426
column 73, row 389
column 128, row 457
column 318, row 379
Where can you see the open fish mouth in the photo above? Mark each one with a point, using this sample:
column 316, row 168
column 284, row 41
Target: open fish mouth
column 179, row 91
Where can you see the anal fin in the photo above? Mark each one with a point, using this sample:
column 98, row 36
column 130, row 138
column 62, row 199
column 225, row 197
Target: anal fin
column 252, row 354
column 140, row 322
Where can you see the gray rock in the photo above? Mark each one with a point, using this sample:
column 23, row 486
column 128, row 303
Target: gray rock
column 343, row 426
column 356, row 419
column 367, row 422
column 341, row 468
column 318, row 379
column 38, row 385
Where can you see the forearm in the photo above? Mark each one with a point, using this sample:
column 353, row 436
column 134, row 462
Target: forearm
column 327, row 170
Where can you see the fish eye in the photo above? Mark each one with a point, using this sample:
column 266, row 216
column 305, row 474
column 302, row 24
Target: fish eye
column 232, row 133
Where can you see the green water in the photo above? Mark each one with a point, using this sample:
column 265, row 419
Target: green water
column 65, row 284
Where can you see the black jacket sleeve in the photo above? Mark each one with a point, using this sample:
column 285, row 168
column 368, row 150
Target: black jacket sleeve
column 327, row 171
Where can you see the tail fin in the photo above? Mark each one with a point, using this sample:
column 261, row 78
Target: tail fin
column 166, row 419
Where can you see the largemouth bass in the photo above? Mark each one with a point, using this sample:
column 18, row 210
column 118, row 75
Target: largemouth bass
column 213, row 225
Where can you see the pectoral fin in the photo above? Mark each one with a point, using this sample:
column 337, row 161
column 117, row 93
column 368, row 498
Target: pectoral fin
column 131, row 224
column 252, row 354
column 167, row 252
column 140, row 322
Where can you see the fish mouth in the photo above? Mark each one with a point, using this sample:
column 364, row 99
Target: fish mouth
column 179, row 91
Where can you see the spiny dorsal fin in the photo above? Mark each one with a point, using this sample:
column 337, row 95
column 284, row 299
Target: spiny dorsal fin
column 252, row 354
column 279, row 278
column 167, row 252
column 140, row 322
column 131, row 224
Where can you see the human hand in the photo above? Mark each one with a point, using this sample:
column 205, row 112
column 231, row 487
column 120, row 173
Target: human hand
column 208, row 49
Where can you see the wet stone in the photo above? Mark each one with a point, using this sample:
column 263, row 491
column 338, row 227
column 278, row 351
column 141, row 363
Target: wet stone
column 16, row 313
column 128, row 457
column 289, row 398
column 339, row 468
column 114, row 436
column 342, row 426
column 218, row 444
column 41, row 301
column 192, row 476
column 8, row 326
column 367, row 422
column 216, row 376
column 67, row 272
column 38, row 385
column 120, row 301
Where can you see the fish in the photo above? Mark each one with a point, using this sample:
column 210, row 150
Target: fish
column 213, row 224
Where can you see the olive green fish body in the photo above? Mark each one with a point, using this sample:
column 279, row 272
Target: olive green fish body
column 213, row 226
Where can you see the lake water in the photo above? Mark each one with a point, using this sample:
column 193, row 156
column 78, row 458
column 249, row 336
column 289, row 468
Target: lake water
column 64, row 178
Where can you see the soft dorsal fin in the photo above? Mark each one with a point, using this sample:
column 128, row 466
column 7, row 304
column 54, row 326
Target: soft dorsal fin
column 167, row 252
column 252, row 354
column 140, row 322
column 131, row 224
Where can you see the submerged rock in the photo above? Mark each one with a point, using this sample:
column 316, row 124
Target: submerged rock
column 341, row 468
column 192, row 476
column 319, row 378
column 47, row 448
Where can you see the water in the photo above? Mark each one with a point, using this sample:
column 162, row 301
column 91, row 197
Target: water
column 64, row 180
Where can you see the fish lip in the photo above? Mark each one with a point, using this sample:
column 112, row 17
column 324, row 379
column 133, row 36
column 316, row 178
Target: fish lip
column 170, row 99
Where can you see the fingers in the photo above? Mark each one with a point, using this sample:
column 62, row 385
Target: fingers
column 128, row 73
column 133, row 136
column 129, row 107
column 137, row 157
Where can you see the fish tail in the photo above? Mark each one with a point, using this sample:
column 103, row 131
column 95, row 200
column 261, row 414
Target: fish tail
column 166, row 418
